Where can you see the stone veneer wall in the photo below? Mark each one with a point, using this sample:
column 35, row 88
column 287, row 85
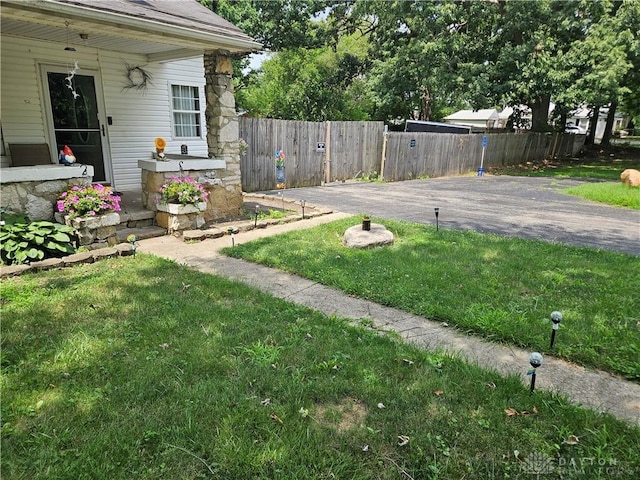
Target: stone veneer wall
column 222, row 199
column 37, row 198
column 223, row 134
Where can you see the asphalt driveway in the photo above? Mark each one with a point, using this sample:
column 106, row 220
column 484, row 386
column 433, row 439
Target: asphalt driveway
column 527, row 207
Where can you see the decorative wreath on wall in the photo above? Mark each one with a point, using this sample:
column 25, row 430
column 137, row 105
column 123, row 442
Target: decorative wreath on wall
column 137, row 77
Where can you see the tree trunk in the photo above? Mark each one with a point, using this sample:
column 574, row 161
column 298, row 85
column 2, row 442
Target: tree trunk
column 425, row 103
column 540, row 114
column 593, row 123
column 606, row 136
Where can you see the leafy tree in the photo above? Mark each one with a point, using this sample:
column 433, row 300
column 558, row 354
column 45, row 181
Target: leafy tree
column 424, row 59
column 629, row 17
column 303, row 84
column 277, row 24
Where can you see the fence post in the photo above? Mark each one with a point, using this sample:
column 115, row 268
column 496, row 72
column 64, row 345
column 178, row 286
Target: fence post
column 327, row 153
column 384, row 152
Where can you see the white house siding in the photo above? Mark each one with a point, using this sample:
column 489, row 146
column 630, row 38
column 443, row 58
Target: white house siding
column 138, row 116
column 21, row 101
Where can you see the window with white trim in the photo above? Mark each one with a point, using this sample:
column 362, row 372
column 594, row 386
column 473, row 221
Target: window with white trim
column 186, row 111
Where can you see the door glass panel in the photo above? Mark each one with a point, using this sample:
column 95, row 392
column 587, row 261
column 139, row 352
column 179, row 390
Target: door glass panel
column 70, row 112
column 75, row 119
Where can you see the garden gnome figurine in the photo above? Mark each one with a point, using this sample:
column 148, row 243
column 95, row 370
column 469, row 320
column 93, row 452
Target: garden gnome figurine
column 66, row 156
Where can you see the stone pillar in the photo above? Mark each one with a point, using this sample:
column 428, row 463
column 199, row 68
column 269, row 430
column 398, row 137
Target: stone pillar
column 223, row 126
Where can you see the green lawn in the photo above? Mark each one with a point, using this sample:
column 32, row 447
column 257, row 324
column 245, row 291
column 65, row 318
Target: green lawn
column 137, row 367
column 602, row 168
column 501, row 288
column 611, row 193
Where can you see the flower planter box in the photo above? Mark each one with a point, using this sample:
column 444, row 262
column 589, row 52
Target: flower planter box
column 100, row 229
column 176, row 217
column 178, row 209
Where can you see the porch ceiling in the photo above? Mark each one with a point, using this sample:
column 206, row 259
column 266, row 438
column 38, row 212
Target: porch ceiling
column 113, row 31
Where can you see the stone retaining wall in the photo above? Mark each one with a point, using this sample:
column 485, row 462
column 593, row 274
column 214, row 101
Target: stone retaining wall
column 120, row 250
column 37, row 198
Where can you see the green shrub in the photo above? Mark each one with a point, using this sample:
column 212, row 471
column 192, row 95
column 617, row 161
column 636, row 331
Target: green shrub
column 27, row 242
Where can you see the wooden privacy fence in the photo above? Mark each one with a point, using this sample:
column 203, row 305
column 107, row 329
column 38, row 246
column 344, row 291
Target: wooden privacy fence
column 319, row 152
column 316, row 152
column 413, row 155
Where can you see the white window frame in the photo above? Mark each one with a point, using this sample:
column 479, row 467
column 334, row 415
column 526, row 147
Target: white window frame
column 197, row 113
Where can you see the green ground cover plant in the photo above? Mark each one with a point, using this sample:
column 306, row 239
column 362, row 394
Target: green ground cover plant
column 501, row 288
column 136, row 367
column 32, row 241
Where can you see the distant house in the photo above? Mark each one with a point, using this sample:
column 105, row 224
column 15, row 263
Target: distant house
column 581, row 118
column 106, row 78
column 492, row 118
column 484, row 118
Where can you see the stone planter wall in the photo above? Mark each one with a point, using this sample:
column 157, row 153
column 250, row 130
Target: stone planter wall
column 37, row 198
column 176, row 218
column 223, row 201
column 98, row 231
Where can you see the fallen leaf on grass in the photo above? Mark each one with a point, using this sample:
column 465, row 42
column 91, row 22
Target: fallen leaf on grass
column 365, row 448
column 265, row 402
column 403, row 440
column 511, row 412
column 490, row 385
column 381, row 405
column 276, row 418
column 437, row 393
column 572, row 440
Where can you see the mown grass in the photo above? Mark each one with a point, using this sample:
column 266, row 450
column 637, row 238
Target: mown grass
column 611, row 193
column 600, row 169
column 141, row 368
column 597, row 168
column 501, row 288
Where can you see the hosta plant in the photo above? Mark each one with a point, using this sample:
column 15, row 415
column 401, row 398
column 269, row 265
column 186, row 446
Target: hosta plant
column 28, row 242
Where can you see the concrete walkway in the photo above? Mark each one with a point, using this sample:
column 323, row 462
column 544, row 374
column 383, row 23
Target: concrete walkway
column 599, row 391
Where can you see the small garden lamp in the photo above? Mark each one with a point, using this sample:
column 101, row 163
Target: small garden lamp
column 437, row 212
column 132, row 240
column 257, row 213
column 233, row 239
column 535, row 359
column 556, row 318
column 302, row 204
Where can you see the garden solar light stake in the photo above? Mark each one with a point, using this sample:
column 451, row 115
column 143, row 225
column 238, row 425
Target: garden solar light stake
column 132, row 240
column 257, row 213
column 233, row 240
column 535, row 359
column 302, row 202
column 556, row 317
column 437, row 210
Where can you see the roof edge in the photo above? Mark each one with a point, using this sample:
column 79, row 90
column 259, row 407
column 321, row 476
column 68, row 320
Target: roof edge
column 231, row 43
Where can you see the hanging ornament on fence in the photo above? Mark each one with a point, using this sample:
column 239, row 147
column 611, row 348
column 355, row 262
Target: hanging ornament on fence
column 280, row 176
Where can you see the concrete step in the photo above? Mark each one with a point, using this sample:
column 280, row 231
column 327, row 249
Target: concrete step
column 141, row 232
